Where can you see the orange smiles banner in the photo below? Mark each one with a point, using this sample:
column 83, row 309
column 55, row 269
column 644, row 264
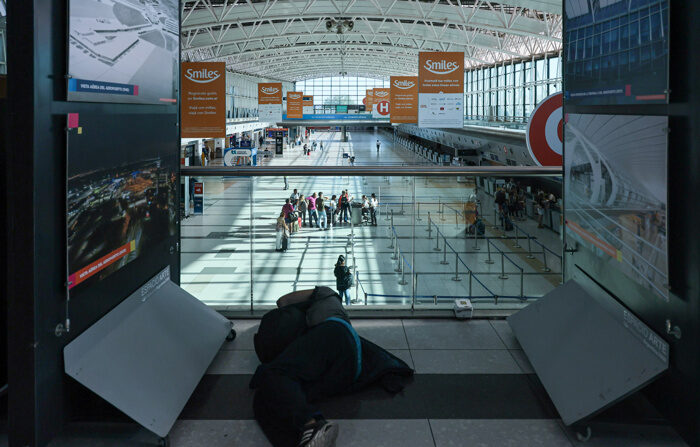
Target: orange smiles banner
column 370, row 100
column 203, row 109
column 295, row 107
column 381, row 105
column 404, row 99
column 270, row 101
column 441, row 89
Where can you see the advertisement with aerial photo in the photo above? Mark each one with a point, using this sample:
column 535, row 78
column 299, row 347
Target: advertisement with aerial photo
column 123, row 51
column 115, row 214
column 616, row 52
column 616, row 193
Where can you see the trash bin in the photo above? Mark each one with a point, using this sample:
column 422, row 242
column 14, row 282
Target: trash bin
column 356, row 217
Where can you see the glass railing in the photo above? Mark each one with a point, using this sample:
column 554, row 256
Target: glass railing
column 431, row 239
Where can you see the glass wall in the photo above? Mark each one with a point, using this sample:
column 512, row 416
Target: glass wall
column 429, row 241
column 509, row 92
column 335, row 90
column 242, row 94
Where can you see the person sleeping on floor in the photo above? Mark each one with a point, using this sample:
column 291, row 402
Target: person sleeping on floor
column 309, row 350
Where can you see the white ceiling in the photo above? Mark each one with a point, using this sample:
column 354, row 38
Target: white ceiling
column 288, row 40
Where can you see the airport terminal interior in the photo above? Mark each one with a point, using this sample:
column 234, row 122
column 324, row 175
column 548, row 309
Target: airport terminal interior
column 419, row 223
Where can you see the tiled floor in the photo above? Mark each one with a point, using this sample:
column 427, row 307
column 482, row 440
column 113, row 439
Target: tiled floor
column 445, row 353
column 218, row 252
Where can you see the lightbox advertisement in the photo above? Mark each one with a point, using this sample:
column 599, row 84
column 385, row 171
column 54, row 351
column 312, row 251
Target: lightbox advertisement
column 123, row 51
column 404, row 99
column 616, row 193
column 270, row 101
column 203, row 110
column 441, row 89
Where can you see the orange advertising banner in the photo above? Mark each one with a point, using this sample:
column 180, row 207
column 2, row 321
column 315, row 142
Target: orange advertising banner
column 203, row 109
column 441, row 89
column 308, row 100
column 295, row 107
column 404, row 99
column 381, row 107
column 270, row 93
column 370, row 100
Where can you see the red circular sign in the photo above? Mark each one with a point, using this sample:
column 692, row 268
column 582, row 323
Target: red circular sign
column 545, row 131
column 364, row 101
column 383, row 107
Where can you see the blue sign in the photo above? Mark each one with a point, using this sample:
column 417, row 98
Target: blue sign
column 334, row 116
column 110, row 88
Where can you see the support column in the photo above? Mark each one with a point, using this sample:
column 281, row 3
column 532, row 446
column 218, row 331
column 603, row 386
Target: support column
column 344, row 134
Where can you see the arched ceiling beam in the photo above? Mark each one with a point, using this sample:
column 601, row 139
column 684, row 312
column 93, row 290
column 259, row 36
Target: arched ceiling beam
column 497, row 17
column 335, row 61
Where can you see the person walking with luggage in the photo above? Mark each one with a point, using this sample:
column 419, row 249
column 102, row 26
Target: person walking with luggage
column 302, row 208
column 373, row 206
column 282, row 230
column 343, row 279
column 311, row 206
column 321, row 209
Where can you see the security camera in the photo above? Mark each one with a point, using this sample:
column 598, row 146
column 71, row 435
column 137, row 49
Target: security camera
column 329, row 24
column 349, row 24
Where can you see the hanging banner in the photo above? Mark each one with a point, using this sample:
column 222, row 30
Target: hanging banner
column 369, row 99
column 203, row 109
column 381, row 105
column 270, row 101
column 441, row 89
column 308, row 104
column 295, row 108
column 404, row 99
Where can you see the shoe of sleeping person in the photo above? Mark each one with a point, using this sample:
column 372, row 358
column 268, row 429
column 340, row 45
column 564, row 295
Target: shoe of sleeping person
column 321, row 434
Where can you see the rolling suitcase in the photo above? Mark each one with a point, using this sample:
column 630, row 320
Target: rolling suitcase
column 285, row 243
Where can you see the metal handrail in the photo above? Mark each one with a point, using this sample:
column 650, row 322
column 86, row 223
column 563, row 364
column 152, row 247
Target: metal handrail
column 417, row 171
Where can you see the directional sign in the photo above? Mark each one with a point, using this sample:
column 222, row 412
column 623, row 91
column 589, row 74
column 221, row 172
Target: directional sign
column 545, row 131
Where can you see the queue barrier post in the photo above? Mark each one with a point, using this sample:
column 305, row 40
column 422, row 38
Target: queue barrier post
column 401, row 212
column 456, row 278
column 517, row 236
column 429, row 230
column 488, row 248
column 403, row 281
column 399, row 265
column 529, row 248
column 471, row 275
column 456, row 218
column 418, row 218
column 439, row 203
column 503, row 271
column 522, row 282
column 476, row 246
column 365, row 298
column 397, row 252
column 544, row 260
column 444, row 252
column 437, row 241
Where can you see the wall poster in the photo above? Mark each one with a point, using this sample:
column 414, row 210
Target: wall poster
column 123, row 51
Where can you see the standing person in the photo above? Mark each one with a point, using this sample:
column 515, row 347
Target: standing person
column 378, row 144
column 204, row 156
column 365, row 208
column 295, row 195
column 332, row 210
column 373, row 205
column 321, row 209
column 286, row 183
column 302, row 209
column 344, row 204
column 343, row 279
column 282, row 232
column 320, row 145
column 311, row 206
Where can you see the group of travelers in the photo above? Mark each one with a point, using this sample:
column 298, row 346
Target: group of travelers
column 510, row 200
column 319, row 211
